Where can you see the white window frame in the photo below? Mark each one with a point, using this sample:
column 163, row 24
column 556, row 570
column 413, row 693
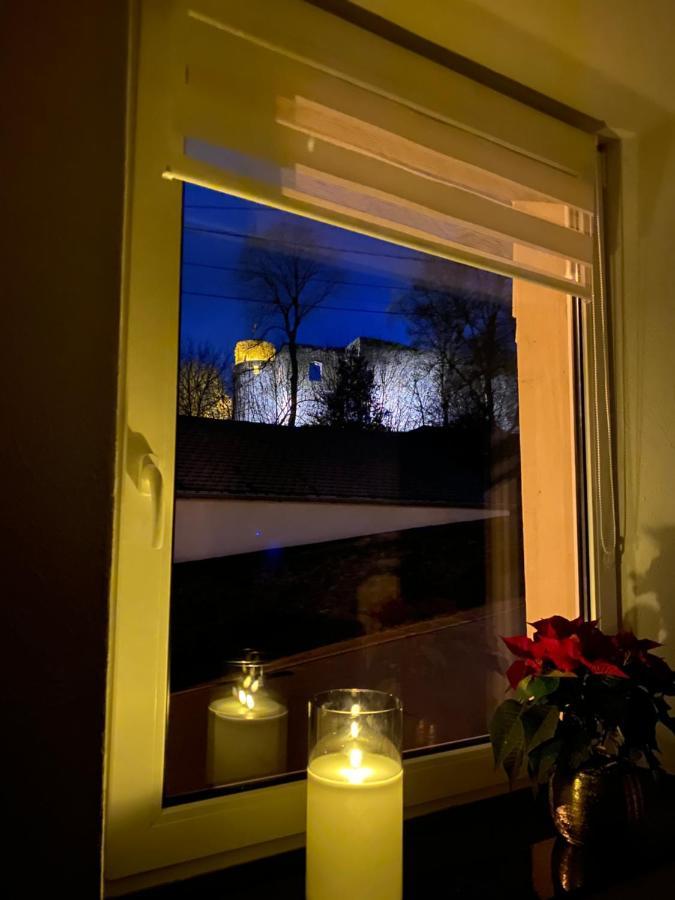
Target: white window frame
column 145, row 841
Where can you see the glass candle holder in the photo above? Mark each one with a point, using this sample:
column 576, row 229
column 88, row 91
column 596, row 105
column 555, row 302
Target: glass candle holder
column 355, row 796
column 247, row 726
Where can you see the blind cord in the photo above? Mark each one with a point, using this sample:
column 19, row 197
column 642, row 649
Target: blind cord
column 601, row 361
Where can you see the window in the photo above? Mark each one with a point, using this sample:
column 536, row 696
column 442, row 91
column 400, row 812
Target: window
column 314, row 372
column 295, row 110
column 336, row 530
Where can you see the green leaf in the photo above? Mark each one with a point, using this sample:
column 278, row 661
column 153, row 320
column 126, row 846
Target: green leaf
column 534, row 687
column 513, row 748
column 543, row 761
column 522, row 693
column 513, row 763
column 532, row 718
column 546, row 730
column 506, row 730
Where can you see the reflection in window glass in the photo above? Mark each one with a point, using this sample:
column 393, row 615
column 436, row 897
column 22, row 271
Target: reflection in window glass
column 347, row 488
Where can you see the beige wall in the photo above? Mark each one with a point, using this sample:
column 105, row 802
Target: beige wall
column 646, row 357
column 611, row 60
column 614, row 62
column 63, row 70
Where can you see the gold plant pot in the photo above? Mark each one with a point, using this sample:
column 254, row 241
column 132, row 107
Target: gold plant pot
column 600, row 805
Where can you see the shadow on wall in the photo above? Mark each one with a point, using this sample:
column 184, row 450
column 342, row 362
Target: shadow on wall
column 651, row 612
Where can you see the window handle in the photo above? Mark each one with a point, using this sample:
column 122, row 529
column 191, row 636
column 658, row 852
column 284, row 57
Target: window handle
column 144, row 468
column 152, row 485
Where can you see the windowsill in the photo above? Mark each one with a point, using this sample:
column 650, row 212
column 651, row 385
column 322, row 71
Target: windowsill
column 501, row 847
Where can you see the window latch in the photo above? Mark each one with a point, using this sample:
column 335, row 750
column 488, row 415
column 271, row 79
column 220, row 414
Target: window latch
column 146, row 474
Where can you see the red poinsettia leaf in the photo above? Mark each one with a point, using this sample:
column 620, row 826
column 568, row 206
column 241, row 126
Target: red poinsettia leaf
column 657, row 671
column 586, row 623
column 553, row 627
column 596, row 645
column 646, row 644
column 517, row 671
column 658, row 663
column 559, row 626
column 564, row 654
column 626, row 640
column 520, row 645
column 602, row 667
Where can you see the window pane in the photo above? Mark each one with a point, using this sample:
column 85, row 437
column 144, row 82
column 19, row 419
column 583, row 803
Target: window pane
column 347, row 489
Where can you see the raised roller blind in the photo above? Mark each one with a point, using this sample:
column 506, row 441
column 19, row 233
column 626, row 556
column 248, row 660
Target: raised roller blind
column 283, row 103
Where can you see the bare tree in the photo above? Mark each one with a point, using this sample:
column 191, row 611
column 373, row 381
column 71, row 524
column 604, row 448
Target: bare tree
column 463, row 325
column 290, row 280
column 202, row 379
column 399, row 375
column 261, row 391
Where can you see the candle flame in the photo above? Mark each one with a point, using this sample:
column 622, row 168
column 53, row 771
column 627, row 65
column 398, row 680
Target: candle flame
column 250, row 702
column 356, row 709
column 356, row 773
column 354, row 729
column 242, row 697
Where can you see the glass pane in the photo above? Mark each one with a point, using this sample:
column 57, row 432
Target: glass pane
column 347, row 490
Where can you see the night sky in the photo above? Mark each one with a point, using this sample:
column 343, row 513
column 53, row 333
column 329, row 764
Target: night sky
column 218, row 306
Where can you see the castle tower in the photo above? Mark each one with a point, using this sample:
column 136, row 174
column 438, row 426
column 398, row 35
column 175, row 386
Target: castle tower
column 253, row 352
column 254, row 361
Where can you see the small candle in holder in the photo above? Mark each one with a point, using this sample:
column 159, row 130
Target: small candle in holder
column 247, row 729
column 355, row 797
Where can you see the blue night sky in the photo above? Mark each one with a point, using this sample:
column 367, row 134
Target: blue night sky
column 218, row 306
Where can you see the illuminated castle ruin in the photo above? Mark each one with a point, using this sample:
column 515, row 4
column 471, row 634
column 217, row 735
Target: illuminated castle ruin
column 404, row 381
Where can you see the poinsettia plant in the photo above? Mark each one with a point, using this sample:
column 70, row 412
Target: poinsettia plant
column 581, row 698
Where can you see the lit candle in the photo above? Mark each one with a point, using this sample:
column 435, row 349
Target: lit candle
column 355, row 803
column 247, row 732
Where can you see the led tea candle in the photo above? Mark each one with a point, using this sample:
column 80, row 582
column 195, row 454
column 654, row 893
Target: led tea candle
column 247, row 730
column 355, row 797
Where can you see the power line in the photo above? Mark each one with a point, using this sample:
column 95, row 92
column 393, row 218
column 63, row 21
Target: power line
column 352, row 309
column 364, row 284
column 251, row 208
column 500, row 332
column 422, row 258
column 223, row 232
column 410, row 287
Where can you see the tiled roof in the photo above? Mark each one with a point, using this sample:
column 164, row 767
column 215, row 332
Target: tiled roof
column 245, row 459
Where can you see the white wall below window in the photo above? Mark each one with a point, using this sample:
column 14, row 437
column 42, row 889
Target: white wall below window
column 213, row 528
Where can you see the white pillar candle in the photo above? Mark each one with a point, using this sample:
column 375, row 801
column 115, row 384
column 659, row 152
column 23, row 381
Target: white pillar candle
column 243, row 742
column 354, row 826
